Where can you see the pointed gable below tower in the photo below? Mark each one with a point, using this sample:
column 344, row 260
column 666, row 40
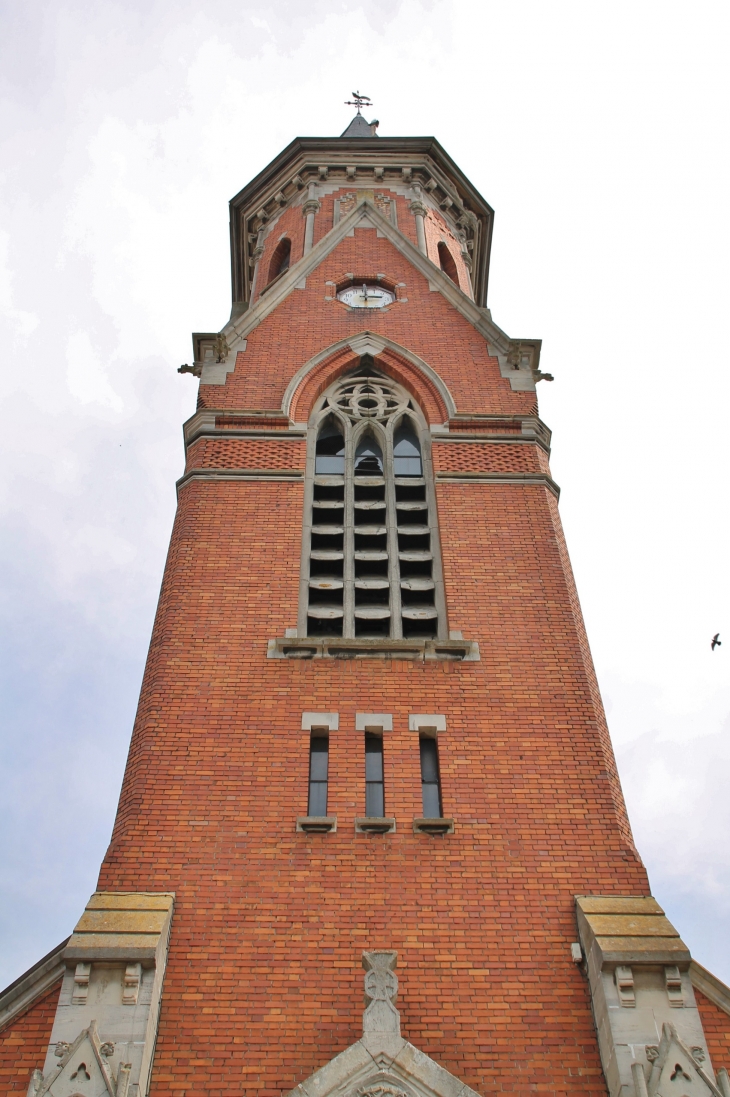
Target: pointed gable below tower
column 84, row 1070
column 382, row 1063
column 382, row 1066
column 363, row 244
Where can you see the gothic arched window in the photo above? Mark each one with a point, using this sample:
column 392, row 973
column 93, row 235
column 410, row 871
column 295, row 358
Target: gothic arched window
column 371, row 566
column 447, row 264
column 280, row 259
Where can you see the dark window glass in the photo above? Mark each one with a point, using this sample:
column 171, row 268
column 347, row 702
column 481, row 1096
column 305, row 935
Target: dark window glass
column 330, row 454
column 318, row 766
column 430, row 786
column 374, row 799
column 368, row 458
column 406, row 452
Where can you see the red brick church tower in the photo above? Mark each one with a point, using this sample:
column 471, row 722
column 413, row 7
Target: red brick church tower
column 369, row 732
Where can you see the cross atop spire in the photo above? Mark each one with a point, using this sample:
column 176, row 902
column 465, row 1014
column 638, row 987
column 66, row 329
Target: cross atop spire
column 358, row 101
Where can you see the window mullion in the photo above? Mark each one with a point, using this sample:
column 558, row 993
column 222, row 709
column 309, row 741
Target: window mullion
column 391, row 521
column 302, row 620
column 436, row 566
column 348, row 570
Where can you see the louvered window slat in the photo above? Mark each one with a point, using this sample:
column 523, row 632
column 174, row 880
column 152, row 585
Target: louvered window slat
column 371, row 562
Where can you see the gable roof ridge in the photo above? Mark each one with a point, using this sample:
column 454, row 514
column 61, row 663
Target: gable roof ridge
column 33, row 984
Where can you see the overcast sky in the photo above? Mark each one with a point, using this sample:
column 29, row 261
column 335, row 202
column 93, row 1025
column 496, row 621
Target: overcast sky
column 598, row 131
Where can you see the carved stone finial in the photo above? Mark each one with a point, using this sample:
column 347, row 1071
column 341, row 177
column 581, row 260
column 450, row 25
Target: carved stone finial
column 222, row 350
column 381, row 987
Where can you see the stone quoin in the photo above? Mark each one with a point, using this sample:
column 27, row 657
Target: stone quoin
column 369, row 733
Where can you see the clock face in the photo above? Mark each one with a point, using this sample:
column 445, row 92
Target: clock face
column 366, row 297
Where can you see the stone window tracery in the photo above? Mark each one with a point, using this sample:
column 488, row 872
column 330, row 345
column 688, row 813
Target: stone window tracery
column 370, row 563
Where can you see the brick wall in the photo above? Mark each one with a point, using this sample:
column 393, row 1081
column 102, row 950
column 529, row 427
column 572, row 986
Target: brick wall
column 264, row 983
column 24, row 1042
column 716, row 1024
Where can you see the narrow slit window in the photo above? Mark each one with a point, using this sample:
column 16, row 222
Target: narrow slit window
column 374, row 795
column 430, row 783
column 447, row 264
column 281, row 259
column 319, row 748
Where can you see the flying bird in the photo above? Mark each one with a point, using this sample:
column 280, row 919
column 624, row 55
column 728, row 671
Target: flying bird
column 716, row 642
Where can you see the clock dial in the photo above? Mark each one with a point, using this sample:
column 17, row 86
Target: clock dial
column 366, row 297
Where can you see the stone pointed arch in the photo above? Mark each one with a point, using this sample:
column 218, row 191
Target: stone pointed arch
column 403, row 365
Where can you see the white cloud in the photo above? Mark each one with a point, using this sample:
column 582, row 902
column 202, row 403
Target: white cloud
column 22, row 323
column 87, row 379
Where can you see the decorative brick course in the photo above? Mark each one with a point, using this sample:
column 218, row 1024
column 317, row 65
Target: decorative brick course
column 251, row 453
column 485, row 426
column 484, row 457
column 243, row 422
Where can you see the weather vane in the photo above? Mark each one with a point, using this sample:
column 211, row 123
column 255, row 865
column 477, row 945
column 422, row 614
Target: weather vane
column 358, row 101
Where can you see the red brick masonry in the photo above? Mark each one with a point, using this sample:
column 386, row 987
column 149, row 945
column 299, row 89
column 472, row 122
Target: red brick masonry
column 716, row 1024
column 24, row 1043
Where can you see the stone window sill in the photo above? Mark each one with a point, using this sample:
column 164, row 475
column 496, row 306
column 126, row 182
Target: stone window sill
column 316, row 824
column 433, row 826
column 374, row 825
column 424, row 651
